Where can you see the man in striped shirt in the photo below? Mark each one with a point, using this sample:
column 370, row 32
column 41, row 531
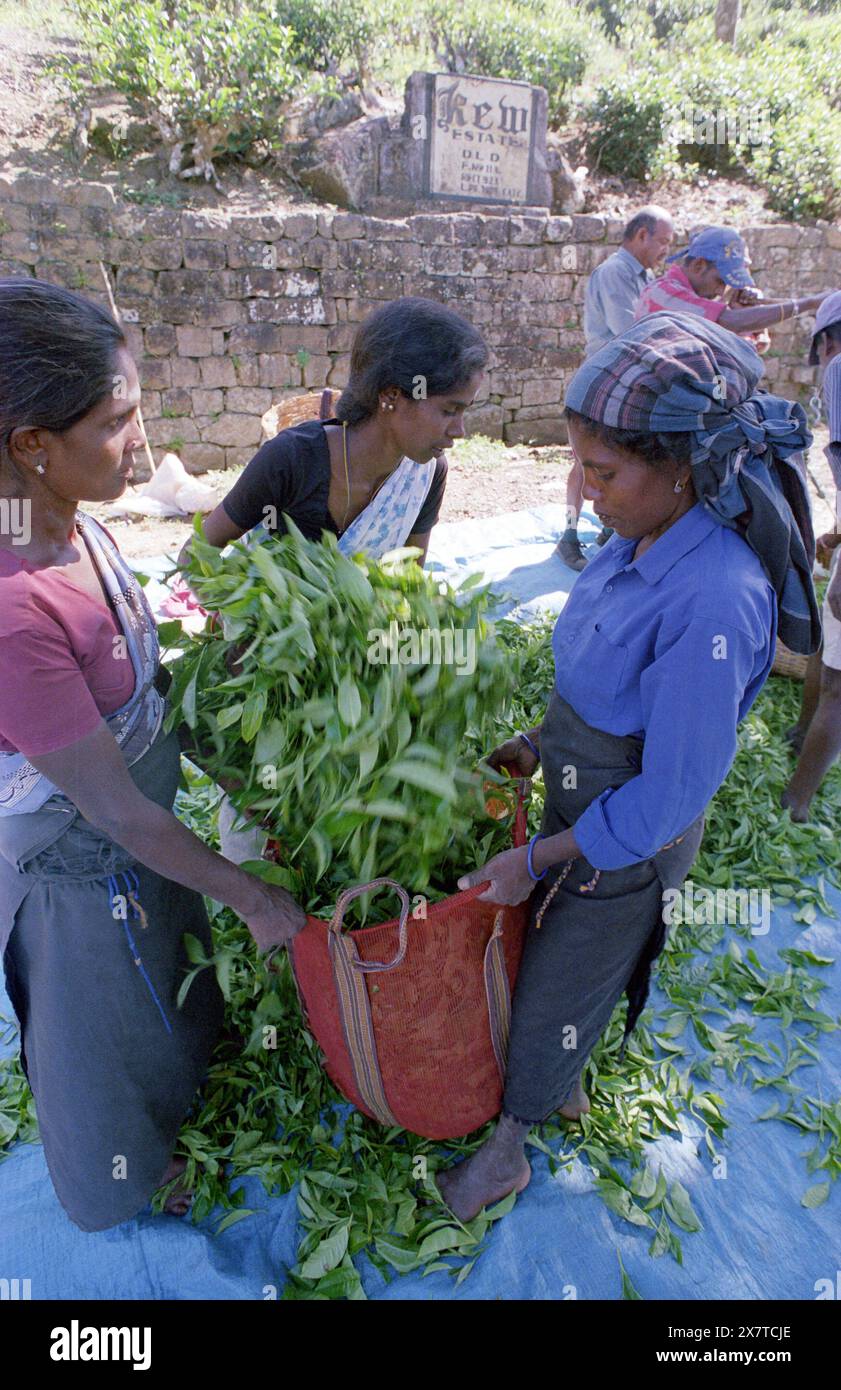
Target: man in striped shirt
column 698, row 276
column 817, row 734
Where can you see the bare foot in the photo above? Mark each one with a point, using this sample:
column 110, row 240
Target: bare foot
column 499, row 1167
column 180, row 1200
column 465, row 1191
column 577, row 1105
column 798, row 810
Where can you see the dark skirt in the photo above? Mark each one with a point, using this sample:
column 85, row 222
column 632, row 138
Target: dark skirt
column 112, row 1062
column 600, row 933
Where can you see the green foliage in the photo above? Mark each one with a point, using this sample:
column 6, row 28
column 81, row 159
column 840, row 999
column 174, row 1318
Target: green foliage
column 346, row 741
column 268, row 1110
column 797, row 44
column 330, row 33
column 802, row 166
column 627, row 121
column 785, row 135
column 221, row 71
column 667, row 18
column 18, row 1122
column 544, row 42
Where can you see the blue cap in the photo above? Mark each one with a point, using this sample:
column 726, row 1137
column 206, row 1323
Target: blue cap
column 727, row 251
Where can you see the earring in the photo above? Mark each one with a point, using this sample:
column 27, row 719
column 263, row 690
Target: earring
column 39, row 468
column 678, row 487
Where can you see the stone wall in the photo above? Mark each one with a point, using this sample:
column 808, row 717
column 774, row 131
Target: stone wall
column 226, row 313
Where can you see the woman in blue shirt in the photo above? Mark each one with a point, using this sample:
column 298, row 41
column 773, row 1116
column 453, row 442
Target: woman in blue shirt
column 663, row 646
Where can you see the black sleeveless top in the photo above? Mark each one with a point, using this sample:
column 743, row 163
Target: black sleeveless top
column 292, row 474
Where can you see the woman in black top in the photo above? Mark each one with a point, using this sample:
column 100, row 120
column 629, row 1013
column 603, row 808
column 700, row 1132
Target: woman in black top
column 375, row 473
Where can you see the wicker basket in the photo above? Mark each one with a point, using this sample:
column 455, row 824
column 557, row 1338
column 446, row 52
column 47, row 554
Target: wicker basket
column 293, row 410
column 788, row 663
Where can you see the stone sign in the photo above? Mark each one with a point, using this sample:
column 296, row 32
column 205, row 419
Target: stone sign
column 466, row 138
column 481, row 135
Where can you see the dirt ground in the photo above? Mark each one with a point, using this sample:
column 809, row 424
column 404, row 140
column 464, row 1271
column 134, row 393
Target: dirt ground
column 484, row 479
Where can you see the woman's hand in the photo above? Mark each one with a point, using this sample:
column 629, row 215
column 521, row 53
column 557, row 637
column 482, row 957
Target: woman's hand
column 276, row 919
column 508, row 877
column 515, row 755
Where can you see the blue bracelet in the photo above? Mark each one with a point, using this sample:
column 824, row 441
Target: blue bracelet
column 530, row 859
column 527, row 741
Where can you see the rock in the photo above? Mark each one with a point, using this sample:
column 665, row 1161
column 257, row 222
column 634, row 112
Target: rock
column 568, row 185
column 248, row 400
column 341, row 167
column 233, row 430
column 309, row 119
column 546, row 431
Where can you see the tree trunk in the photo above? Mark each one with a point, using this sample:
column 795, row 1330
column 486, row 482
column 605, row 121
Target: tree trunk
column 727, row 13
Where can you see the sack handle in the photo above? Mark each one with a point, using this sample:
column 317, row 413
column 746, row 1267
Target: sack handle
column 370, row 967
column 335, row 925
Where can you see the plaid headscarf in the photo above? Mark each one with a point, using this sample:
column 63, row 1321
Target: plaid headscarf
column 675, row 373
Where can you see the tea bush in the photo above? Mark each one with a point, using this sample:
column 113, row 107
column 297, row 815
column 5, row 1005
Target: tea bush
column 215, row 74
column 330, row 33
column 786, row 135
column 539, row 41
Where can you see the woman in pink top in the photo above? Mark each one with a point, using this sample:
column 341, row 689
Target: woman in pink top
column 98, row 880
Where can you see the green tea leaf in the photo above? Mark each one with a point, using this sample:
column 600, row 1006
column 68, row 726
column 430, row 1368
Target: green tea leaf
column 815, row 1196
column 679, row 1208
column 327, row 1254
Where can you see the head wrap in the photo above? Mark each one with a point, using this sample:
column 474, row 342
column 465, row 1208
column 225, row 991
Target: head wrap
column 676, row 373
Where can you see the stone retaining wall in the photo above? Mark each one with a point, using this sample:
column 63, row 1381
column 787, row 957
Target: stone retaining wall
column 226, row 313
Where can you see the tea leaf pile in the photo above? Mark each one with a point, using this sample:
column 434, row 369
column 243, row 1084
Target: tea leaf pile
column 360, row 693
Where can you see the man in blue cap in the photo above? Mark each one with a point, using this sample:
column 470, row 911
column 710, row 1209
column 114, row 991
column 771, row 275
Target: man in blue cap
column 697, row 277
column 817, row 734
column 715, row 259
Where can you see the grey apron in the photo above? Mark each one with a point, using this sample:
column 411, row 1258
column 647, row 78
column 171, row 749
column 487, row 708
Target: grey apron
column 93, row 965
column 601, row 931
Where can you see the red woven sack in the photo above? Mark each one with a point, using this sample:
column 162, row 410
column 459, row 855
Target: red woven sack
column 413, row 1015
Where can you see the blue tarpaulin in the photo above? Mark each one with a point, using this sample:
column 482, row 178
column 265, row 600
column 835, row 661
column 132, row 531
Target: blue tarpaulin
column 758, row 1241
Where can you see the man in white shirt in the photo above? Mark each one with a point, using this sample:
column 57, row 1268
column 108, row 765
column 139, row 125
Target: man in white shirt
column 610, row 303
column 817, row 734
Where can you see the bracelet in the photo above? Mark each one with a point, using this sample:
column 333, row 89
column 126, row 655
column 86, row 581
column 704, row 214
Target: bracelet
column 529, row 744
column 530, row 859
